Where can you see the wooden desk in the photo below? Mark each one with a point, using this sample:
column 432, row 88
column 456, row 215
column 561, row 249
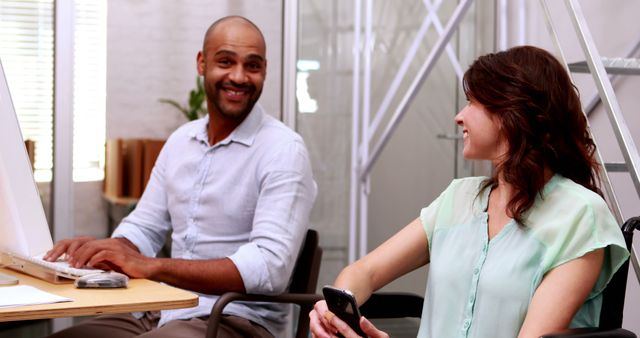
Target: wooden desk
column 141, row 295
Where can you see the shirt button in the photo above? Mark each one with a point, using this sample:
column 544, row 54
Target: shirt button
column 476, row 271
column 467, row 323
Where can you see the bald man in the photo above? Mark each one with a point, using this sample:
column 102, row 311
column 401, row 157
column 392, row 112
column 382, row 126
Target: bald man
column 235, row 188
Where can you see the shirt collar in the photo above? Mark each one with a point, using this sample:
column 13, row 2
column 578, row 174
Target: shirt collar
column 245, row 133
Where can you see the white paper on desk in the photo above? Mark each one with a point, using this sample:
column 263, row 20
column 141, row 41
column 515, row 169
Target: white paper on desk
column 27, row 295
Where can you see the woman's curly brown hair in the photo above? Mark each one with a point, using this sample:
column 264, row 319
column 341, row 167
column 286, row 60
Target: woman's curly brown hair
column 540, row 115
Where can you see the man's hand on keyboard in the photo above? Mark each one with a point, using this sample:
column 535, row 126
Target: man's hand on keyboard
column 65, row 248
column 82, row 251
column 129, row 262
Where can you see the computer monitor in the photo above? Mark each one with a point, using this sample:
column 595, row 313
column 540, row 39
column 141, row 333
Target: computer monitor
column 23, row 224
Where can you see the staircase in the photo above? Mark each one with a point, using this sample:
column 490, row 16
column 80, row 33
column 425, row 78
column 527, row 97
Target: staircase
column 603, row 71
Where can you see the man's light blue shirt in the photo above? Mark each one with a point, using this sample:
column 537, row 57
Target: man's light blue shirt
column 247, row 198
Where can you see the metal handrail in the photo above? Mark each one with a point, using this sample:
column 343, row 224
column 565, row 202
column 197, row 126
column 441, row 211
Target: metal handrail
column 614, row 112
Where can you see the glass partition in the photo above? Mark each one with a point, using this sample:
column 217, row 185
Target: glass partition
column 418, row 162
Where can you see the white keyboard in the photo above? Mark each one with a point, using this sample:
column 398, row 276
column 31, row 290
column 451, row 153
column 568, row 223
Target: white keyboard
column 60, row 267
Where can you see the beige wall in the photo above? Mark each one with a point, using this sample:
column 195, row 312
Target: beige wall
column 151, row 54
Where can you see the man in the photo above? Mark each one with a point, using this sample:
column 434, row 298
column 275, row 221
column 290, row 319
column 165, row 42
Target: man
column 235, row 187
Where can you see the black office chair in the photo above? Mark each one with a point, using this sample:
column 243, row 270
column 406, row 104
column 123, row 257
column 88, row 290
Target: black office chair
column 403, row 305
column 302, row 290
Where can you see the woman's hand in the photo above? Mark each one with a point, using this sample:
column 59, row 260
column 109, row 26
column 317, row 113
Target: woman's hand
column 325, row 324
column 318, row 325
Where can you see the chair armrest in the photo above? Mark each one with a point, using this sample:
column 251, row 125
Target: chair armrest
column 392, row 305
column 591, row 333
column 302, row 299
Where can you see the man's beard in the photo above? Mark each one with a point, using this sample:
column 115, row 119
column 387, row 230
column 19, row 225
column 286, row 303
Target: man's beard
column 231, row 113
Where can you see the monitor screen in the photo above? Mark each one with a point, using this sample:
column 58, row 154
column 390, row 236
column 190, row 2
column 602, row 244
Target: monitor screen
column 23, row 224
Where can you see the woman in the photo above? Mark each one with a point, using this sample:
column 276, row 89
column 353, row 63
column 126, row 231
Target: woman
column 525, row 252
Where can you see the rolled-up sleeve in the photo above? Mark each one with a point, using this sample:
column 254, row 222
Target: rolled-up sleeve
column 287, row 193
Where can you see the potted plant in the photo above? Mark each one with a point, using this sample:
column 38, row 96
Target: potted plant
column 196, row 107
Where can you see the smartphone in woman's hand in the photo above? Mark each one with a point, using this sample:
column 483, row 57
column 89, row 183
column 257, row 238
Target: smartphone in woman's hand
column 343, row 304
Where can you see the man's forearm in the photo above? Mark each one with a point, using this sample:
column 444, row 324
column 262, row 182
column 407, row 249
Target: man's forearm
column 127, row 242
column 214, row 276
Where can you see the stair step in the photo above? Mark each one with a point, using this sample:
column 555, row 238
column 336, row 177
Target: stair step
column 616, row 167
column 627, row 66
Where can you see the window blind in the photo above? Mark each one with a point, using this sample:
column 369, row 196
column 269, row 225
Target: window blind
column 26, row 51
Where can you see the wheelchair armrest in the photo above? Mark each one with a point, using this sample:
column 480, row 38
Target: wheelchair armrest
column 591, row 333
column 392, row 305
column 305, row 300
column 400, row 305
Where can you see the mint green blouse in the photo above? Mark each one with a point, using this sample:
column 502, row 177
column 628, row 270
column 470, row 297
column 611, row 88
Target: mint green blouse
column 480, row 288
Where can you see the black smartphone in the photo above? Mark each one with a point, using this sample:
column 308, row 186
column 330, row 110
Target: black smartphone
column 343, row 304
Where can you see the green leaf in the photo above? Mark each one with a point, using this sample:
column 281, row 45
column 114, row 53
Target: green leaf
column 175, row 104
column 196, row 106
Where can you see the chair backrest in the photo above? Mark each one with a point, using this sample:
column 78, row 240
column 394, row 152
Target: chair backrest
column 304, row 278
column 302, row 289
column 614, row 293
column 392, row 305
